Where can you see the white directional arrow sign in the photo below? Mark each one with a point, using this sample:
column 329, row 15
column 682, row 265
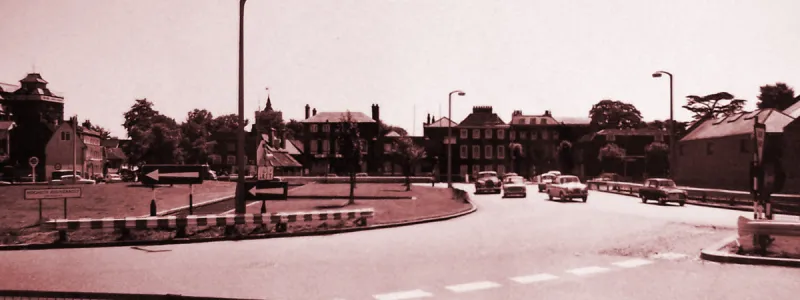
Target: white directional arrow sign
column 254, row 191
column 155, row 175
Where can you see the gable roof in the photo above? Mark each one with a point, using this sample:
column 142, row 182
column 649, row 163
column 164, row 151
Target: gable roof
column 336, row 117
column 482, row 116
column 738, row 124
column 289, row 147
column 794, row 110
column 8, row 88
column 298, row 144
column 442, row 122
column 115, row 153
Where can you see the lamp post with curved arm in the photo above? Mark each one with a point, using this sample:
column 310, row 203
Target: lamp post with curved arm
column 240, row 188
column 450, row 136
column 672, row 144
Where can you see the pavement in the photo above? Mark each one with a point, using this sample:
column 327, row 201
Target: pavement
column 612, row 247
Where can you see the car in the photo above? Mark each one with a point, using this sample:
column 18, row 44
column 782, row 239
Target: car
column 112, row 178
column 567, row 187
column 557, row 173
column 487, row 182
column 506, row 175
column 514, row 186
column 544, row 180
column 663, row 190
column 68, row 179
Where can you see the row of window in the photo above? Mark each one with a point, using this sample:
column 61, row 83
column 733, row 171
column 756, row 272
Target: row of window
column 490, row 133
column 314, row 146
column 465, row 169
column 315, row 128
column 487, row 151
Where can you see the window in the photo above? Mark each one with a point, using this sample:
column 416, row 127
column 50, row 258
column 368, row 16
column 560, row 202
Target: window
column 464, row 134
column 543, row 121
column 326, row 128
column 743, row 145
column 501, row 151
column 230, row 159
column 326, row 146
column 476, row 151
column 463, row 169
column 611, row 138
column 313, row 127
column 523, row 135
column 545, row 135
column 387, row 147
column 501, row 134
column 501, row 169
column 555, row 135
column 488, row 134
column 464, row 152
column 65, row 136
column 487, row 151
column 313, row 146
column 476, row 169
column 512, row 135
column 476, row 134
column 710, row 148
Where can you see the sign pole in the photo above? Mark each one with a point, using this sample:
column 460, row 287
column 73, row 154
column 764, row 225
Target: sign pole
column 40, row 210
column 65, row 208
column 191, row 204
column 153, row 203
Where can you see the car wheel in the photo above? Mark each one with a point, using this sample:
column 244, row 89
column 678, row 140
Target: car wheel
column 661, row 201
column 682, row 203
column 561, row 196
column 644, row 199
column 525, row 195
column 550, row 196
column 584, row 199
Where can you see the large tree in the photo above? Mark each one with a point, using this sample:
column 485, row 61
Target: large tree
column 295, row 129
column 565, row 157
column 778, row 96
column 409, row 154
column 386, row 128
column 610, row 114
column 196, row 131
column 138, row 121
column 349, row 141
column 666, row 125
column 226, row 124
column 163, row 142
column 713, row 105
column 657, row 155
column 104, row 134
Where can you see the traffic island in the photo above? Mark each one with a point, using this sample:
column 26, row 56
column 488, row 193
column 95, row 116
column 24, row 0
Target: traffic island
column 759, row 242
column 424, row 204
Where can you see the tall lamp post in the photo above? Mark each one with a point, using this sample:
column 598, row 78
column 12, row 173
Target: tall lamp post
column 240, row 188
column 672, row 144
column 450, row 136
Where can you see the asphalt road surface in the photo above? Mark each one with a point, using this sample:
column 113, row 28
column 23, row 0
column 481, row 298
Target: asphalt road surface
column 612, row 247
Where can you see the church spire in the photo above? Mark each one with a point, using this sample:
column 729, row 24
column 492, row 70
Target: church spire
column 269, row 102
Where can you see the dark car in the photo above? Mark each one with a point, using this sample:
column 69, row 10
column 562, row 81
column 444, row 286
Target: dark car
column 663, row 190
column 488, row 182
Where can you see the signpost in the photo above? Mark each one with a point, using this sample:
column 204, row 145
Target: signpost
column 56, row 193
column 267, row 190
column 33, row 162
column 266, row 172
column 172, row 174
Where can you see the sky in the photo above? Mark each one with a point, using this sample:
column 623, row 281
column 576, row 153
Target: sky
column 406, row 56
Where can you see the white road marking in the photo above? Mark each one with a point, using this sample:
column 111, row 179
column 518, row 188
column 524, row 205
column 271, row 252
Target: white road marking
column 632, row 263
column 534, row 278
column 587, row 270
column 404, row 295
column 472, row 286
column 669, row 256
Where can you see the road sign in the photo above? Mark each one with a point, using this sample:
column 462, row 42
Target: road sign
column 33, row 161
column 172, row 174
column 57, row 193
column 266, row 172
column 760, row 132
column 57, row 166
column 266, row 190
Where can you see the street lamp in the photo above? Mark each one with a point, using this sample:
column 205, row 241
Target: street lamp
column 450, row 136
column 672, row 143
column 240, row 188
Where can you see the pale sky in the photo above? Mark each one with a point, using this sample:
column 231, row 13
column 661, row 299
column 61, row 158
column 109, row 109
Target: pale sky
column 337, row 55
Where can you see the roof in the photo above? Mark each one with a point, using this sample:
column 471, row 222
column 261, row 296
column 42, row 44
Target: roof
column 8, row 88
column 482, row 116
column 738, row 124
column 288, row 148
column 88, row 131
column 442, row 122
column 633, row 132
column 298, row 144
column 336, row 117
column 116, row 154
column 33, row 77
column 533, row 120
column 110, row 143
column 282, row 159
column 574, row 120
column 794, row 110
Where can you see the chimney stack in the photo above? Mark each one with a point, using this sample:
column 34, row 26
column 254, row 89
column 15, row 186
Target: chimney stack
column 308, row 111
column 547, row 113
column 314, row 112
column 283, row 140
column 429, row 119
column 273, row 138
column 376, row 113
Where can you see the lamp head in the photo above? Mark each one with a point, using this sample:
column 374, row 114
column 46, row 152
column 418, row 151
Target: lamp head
column 656, row 74
column 461, row 93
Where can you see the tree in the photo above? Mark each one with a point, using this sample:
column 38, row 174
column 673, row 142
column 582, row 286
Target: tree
column 666, row 125
column 610, row 155
column 349, row 141
column 138, row 121
column 295, row 129
column 195, row 132
column 565, row 159
column 515, row 154
column 104, row 134
column 409, row 155
column 267, row 120
column 778, row 96
column 226, row 124
column 386, row 128
column 713, row 105
column 657, row 155
column 610, row 114
column 162, row 143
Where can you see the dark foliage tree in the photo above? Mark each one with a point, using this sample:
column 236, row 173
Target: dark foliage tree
column 610, row 156
column 196, row 132
column 409, row 156
column 104, row 134
column 138, row 121
column 666, row 125
column 386, row 128
column 610, row 114
column 163, row 142
column 267, row 120
column 565, row 157
column 657, row 155
column 713, row 105
column 295, row 129
column 350, row 147
column 226, row 124
column 778, row 96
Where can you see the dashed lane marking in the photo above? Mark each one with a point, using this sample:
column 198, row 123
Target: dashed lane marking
column 632, row 263
column 534, row 278
column 587, row 270
column 415, row 294
column 472, row 286
column 669, row 256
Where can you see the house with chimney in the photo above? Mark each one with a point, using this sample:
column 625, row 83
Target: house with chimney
column 277, row 152
column 435, row 133
column 321, row 151
column 72, row 141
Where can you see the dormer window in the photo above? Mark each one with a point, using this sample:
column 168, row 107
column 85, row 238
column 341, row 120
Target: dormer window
column 543, row 121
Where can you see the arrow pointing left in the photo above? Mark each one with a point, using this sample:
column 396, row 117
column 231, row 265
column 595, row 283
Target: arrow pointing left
column 254, row 191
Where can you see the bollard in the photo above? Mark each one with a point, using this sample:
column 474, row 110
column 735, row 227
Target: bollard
column 153, row 208
column 180, row 232
column 263, row 206
column 125, row 234
column 62, row 236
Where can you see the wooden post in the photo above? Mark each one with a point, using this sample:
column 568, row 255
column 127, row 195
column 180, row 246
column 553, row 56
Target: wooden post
column 65, row 208
column 40, row 211
column 191, row 201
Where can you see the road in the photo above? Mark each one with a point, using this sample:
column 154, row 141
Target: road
column 612, row 247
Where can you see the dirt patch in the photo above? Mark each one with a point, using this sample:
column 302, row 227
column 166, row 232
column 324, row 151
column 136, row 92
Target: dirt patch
column 669, row 238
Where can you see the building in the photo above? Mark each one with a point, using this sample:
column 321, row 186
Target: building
column 60, row 148
column 275, row 152
column 321, row 151
column 634, row 142
column 481, row 144
column 716, row 153
column 436, row 132
column 6, row 125
column 115, row 158
column 538, row 137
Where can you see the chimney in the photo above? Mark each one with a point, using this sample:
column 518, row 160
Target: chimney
column 273, row 138
column 314, row 112
column 429, row 120
column 547, row 113
column 283, row 140
column 308, row 111
column 376, row 113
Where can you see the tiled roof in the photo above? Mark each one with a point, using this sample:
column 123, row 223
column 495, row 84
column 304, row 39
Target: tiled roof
column 336, row 117
column 110, row 143
column 574, row 120
column 632, row 132
column 481, row 116
column 738, row 124
column 289, row 147
column 298, row 144
column 115, row 153
column 533, row 120
column 8, row 88
column 33, row 77
column 88, row 131
column 442, row 122
column 6, row 125
column 794, row 110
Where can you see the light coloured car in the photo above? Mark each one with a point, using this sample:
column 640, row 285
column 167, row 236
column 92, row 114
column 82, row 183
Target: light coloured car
column 567, row 187
column 68, row 179
column 112, row 178
column 487, row 182
column 514, row 186
column 544, row 181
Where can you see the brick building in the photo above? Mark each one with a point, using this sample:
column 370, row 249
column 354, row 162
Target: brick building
column 716, row 153
column 320, row 150
column 635, row 162
column 481, row 144
column 435, row 133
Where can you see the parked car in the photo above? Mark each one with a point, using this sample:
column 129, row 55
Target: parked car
column 113, row 178
column 557, row 173
column 67, row 179
column 514, row 186
column 507, row 175
column 663, row 190
column 544, row 180
column 487, row 182
column 567, row 187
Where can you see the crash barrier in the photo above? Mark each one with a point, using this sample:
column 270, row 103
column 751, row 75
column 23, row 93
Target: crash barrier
column 280, row 220
column 18, row 294
column 364, row 179
column 781, row 203
column 760, row 234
